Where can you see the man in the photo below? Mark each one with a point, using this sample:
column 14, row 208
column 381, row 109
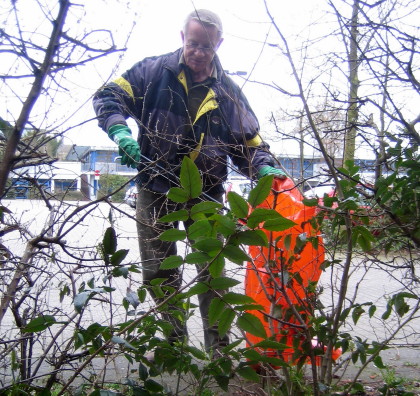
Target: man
column 184, row 104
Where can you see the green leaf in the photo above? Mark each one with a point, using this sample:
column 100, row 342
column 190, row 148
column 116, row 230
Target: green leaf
column 363, row 237
column 197, row 353
column 270, row 344
column 252, row 238
column 235, row 254
column 310, row 201
column 198, row 288
column 199, row 229
column 357, row 312
column 248, row 373
column 81, row 299
column 217, row 266
column 143, row 373
column 238, row 205
column 173, row 235
column 223, row 283
column 237, row 298
column 400, row 305
column 142, row 293
column 121, row 341
column 251, row 324
column 39, row 324
column 153, row 386
column 225, row 225
column 222, row 381
column 197, row 258
column 202, row 208
column 171, row 262
column 133, row 298
column 259, row 215
column 372, row 310
column 378, row 362
column 118, row 257
column 208, row 245
column 261, row 191
column 110, row 241
column 178, row 195
column 225, row 321
column 179, row 215
column 279, row 224
column 190, row 178
column 217, row 306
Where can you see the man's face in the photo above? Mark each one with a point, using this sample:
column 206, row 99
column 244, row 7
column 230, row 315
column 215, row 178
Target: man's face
column 200, row 45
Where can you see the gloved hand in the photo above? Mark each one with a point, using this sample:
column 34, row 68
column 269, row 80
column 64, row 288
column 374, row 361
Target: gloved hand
column 269, row 170
column 128, row 147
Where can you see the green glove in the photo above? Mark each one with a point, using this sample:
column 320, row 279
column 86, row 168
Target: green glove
column 128, row 147
column 269, row 170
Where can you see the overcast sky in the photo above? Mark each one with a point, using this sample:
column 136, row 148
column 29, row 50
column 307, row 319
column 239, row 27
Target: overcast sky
column 157, row 31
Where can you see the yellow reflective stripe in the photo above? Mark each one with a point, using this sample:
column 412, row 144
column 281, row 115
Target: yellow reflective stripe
column 196, row 151
column 254, row 142
column 183, row 80
column 125, row 85
column 209, row 103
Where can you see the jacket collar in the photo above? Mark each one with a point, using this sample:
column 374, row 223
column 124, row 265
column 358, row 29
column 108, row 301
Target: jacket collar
column 175, row 63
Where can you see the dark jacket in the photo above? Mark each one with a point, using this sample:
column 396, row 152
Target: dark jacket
column 154, row 92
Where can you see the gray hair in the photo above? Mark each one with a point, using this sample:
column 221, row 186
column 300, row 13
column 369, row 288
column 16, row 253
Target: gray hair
column 206, row 17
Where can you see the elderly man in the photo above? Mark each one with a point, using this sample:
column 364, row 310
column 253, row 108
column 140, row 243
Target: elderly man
column 184, row 105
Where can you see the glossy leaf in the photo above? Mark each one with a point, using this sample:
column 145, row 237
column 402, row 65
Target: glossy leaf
column 251, row 324
column 223, row 283
column 237, row 298
column 121, row 341
column 199, row 229
column 235, row 254
column 270, row 344
column 217, row 306
column 81, row 299
column 110, row 241
column 39, row 324
column 173, row 235
column 171, row 262
column 259, row 215
column 202, row 208
column 248, row 373
column 190, row 178
column 238, row 205
column 217, row 266
column 178, row 195
column 118, row 257
column 225, row 321
column 197, row 258
column 208, row 245
column 133, row 298
column 261, row 191
column 279, row 224
column 252, row 238
column 225, row 225
column 198, row 288
column 179, row 215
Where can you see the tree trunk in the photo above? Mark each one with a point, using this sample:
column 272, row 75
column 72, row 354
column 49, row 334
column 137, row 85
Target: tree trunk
column 353, row 111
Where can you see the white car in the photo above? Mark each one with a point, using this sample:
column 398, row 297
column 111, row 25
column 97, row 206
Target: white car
column 131, row 197
column 320, row 190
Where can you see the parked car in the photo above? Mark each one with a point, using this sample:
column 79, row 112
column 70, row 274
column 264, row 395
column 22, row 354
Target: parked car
column 131, row 197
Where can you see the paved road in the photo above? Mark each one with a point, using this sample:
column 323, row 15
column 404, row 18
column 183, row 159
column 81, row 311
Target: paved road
column 368, row 279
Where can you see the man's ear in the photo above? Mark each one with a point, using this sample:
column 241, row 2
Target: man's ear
column 182, row 36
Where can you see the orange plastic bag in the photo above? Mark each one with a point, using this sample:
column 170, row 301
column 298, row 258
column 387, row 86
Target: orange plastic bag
column 278, row 277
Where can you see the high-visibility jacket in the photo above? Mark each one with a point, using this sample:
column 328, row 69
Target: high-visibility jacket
column 154, row 92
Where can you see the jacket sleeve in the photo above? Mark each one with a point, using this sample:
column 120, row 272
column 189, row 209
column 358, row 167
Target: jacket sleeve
column 119, row 100
column 248, row 150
